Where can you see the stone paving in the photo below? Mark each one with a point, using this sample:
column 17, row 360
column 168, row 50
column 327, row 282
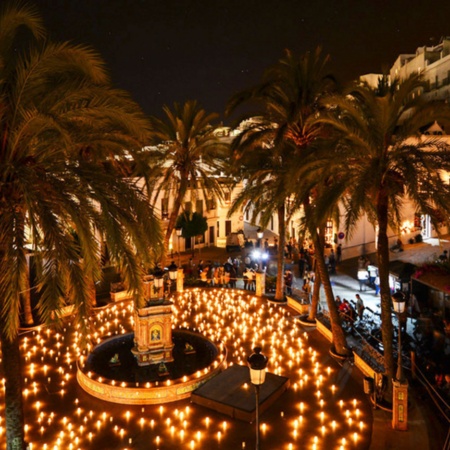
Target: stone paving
column 325, row 407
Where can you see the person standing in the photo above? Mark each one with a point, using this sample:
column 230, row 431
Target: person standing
column 359, row 306
column 377, row 284
column 444, row 256
column 373, row 271
column 288, row 278
column 332, row 262
column 302, row 265
column 339, row 254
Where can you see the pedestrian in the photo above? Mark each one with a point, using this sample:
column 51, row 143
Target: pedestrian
column 245, row 279
column 339, row 254
column 361, row 262
column 247, row 261
column 249, row 274
column 363, row 276
column 302, row 265
column 377, row 284
column 372, row 274
column 444, row 256
column 332, row 262
column 326, row 259
column 359, row 306
column 288, row 278
column 233, row 277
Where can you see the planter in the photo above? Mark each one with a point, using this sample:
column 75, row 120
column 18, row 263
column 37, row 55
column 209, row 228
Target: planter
column 363, row 366
column 299, row 305
column 338, row 356
column 303, row 319
column 324, row 330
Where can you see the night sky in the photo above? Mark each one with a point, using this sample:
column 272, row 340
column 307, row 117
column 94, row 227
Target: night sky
column 163, row 51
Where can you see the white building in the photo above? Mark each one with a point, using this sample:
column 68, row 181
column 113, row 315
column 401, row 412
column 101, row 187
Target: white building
column 433, row 63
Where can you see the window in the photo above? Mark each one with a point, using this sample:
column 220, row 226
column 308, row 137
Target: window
column 227, row 227
column 211, row 203
column 165, row 208
column 188, row 206
column 218, row 229
column 199, row 206
column 329, row 232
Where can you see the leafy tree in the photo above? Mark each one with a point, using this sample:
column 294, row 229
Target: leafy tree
column 189, row 158
column 192, row 224
column 381, row 161
column 63, row 131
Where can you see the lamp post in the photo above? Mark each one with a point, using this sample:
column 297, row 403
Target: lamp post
column 260, row 235
column 257, row 363
column 398, row 302
column 158, row 280
column 179, row 233
column 173, row 273
column 400, row 384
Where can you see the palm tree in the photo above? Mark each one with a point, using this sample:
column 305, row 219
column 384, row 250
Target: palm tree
column 381, row 161
column 189, row 158
column 63, row 135
column 267, row 188
column 288, row 100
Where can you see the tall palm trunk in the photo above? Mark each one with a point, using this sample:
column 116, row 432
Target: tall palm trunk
column 279, row 293
column 315, row 297
column 25, row 299
column 174, row 215
column 13, row 393
column 339, row 340
column 383, row 271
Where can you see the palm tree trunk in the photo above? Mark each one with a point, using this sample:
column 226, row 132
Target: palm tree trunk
column 173, row 217
column 385, row 293
column 339, row 339
column 15, row 437
column 315, row 297
column 279, row 293
column 26, row 304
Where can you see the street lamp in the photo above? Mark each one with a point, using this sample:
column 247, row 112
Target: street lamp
column 158, row 280
column 173, row 272
column 400, row 384
column 260, row 235
column 179, row 233
column 257, row 363
column 398, row 302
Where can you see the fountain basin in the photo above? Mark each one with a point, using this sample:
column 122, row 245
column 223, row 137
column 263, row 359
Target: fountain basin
column 128, row 383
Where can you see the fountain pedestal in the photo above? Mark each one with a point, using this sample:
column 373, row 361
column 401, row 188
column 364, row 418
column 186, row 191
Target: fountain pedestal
column 153, row 334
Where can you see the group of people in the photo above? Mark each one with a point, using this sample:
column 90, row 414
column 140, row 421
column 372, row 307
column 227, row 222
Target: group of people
column 222, row 275
column 226, row 274
column 348, row 313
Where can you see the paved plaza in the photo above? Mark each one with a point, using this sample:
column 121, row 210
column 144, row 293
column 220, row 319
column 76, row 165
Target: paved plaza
column 324, row 408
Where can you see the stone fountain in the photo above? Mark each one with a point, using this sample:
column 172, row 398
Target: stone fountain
column 155, row 363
